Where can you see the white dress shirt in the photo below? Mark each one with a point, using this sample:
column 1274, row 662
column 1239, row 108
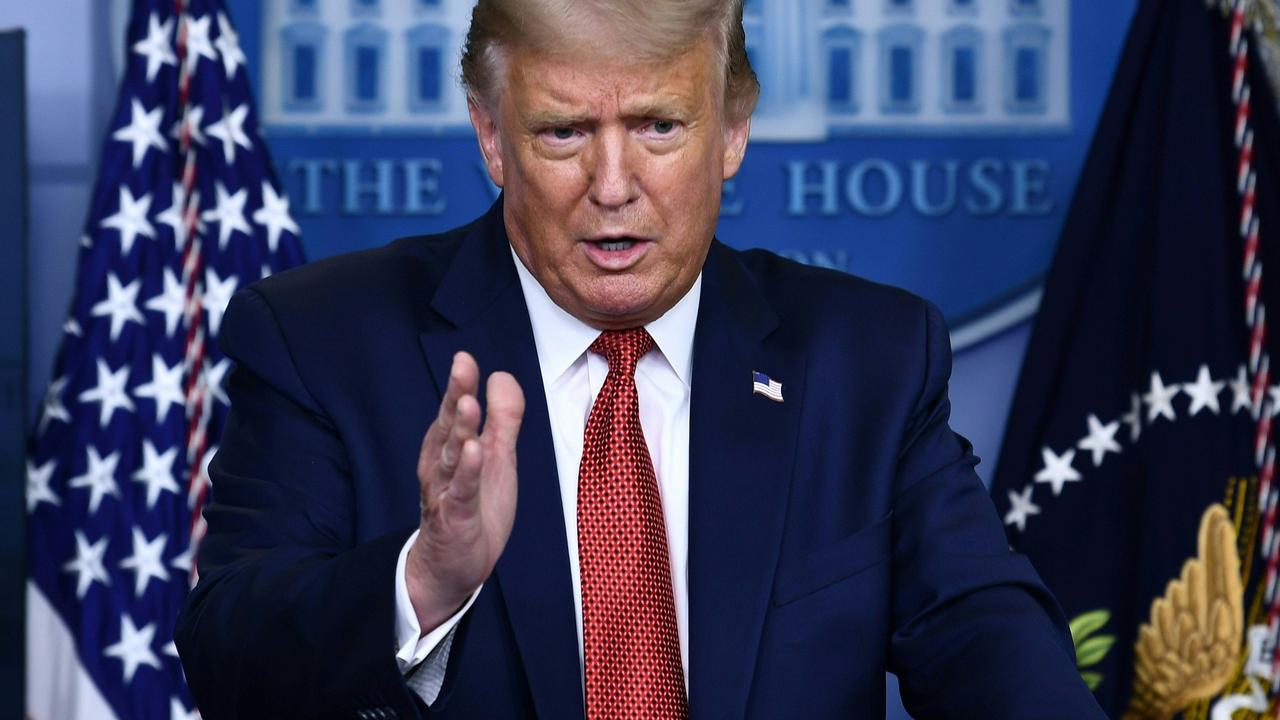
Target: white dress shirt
column 572, row 377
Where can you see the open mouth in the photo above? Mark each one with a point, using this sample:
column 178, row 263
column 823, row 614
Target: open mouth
column 615, row 244
column 616, row 253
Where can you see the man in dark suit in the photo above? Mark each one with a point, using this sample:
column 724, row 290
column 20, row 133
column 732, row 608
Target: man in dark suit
column 707, row 483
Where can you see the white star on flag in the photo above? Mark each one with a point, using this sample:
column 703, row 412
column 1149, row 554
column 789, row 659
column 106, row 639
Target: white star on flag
column 145, row 561
column 1133, row 418
column 193, row 122
column 1057, row 469
column 1203, row 392
column 110, row 391
column 131, row 219
column 202, row 480
column 176, row 709
column 183, row 561
column 217, row 293
column 1273, row 393
column 230, row 130
column 155, row 46
column 134, row 648
column 53, row 407
column 87, row 564
column 214, row 376
column 143, row 131
column 99, row 478
column 156, row 472
column 229, row 45
column 165, row 387
column 71, row 327
column 274, row 215
column 1020, row 506
column 173, row 216
column 229, row 214
column 171, row 302
column 1241, row 392
column 1101, row 439
column 38, row 489
column 1159, row 399
column 198, row 45
column 121, row 304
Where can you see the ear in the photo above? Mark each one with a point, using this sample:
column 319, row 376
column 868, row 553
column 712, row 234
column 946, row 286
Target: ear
column 486, row 126
column 736, row 133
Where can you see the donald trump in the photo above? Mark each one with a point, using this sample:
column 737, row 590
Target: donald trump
column 660, row 478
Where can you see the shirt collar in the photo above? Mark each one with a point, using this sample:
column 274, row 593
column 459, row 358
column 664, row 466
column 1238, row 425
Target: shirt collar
column 561, row 338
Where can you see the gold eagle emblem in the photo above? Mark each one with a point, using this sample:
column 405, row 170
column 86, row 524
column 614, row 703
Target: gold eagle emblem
column 1187, row 651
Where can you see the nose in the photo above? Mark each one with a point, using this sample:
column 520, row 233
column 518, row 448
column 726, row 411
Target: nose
column 612, row 171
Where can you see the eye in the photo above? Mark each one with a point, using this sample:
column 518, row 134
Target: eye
column 559, row 136
column 662, row 131
column 664, row 127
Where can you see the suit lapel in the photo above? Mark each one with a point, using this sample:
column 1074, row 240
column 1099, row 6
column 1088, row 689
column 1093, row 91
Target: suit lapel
column 742, row 449
column 484, row 313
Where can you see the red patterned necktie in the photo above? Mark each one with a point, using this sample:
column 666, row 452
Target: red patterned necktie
column 631, row 644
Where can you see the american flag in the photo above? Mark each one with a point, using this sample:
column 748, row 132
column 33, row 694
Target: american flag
column 762, row 384
column 187, row 209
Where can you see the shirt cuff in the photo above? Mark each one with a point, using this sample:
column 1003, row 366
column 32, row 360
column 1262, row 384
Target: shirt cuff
column 412, row 646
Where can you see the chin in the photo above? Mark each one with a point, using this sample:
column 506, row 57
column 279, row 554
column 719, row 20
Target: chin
column 616, row 313
column 617, row 317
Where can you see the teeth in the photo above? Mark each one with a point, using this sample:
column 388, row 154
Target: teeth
column 616, row 245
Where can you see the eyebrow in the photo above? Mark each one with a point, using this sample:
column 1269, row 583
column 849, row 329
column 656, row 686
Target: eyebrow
column 553, row 118
column 539, row 119
column 656, row 108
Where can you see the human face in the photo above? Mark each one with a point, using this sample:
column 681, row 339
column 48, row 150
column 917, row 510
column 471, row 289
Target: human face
column 612, row 172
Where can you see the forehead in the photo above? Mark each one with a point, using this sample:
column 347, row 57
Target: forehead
column 592, row 83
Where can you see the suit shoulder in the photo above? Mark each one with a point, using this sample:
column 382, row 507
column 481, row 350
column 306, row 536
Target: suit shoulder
column 347, row 300
column 418, row 258
column 400, row 275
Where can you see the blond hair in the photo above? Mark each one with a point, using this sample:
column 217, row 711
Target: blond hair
column 643, row 30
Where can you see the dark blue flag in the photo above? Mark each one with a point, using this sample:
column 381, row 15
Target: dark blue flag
column 1137, row 469
column 187, row 209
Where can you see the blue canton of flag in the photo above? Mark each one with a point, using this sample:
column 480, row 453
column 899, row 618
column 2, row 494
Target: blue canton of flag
column 762, row 384
column 187, row 209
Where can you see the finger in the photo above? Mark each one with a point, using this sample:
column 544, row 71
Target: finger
column 464, row 378
column 466, row 422
column 465, row 486
column 506, row 409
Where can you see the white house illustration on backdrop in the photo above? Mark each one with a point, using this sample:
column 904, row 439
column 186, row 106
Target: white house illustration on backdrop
column 827, row 67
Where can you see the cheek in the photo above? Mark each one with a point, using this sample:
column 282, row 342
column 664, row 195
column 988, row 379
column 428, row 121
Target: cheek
column 557, row 185
column 688, row 189
column 542, row 178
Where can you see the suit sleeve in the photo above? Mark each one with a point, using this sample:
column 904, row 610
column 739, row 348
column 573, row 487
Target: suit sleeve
column 977, row 635
column 291, row 618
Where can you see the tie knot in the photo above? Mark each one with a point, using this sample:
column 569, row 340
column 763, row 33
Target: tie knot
column 623, row 348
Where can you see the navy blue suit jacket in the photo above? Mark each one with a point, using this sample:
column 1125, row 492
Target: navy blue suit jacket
column 832, row 537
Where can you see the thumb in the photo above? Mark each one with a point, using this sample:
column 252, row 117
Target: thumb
column 505, row 402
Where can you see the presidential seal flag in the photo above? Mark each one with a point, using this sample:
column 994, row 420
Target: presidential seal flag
column 1138, row 467
column 186, row 210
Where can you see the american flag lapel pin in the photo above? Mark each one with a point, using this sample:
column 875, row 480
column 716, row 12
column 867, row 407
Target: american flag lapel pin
column 762, row 384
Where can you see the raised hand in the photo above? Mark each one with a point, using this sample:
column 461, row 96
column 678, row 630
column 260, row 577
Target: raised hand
column 468, row 486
